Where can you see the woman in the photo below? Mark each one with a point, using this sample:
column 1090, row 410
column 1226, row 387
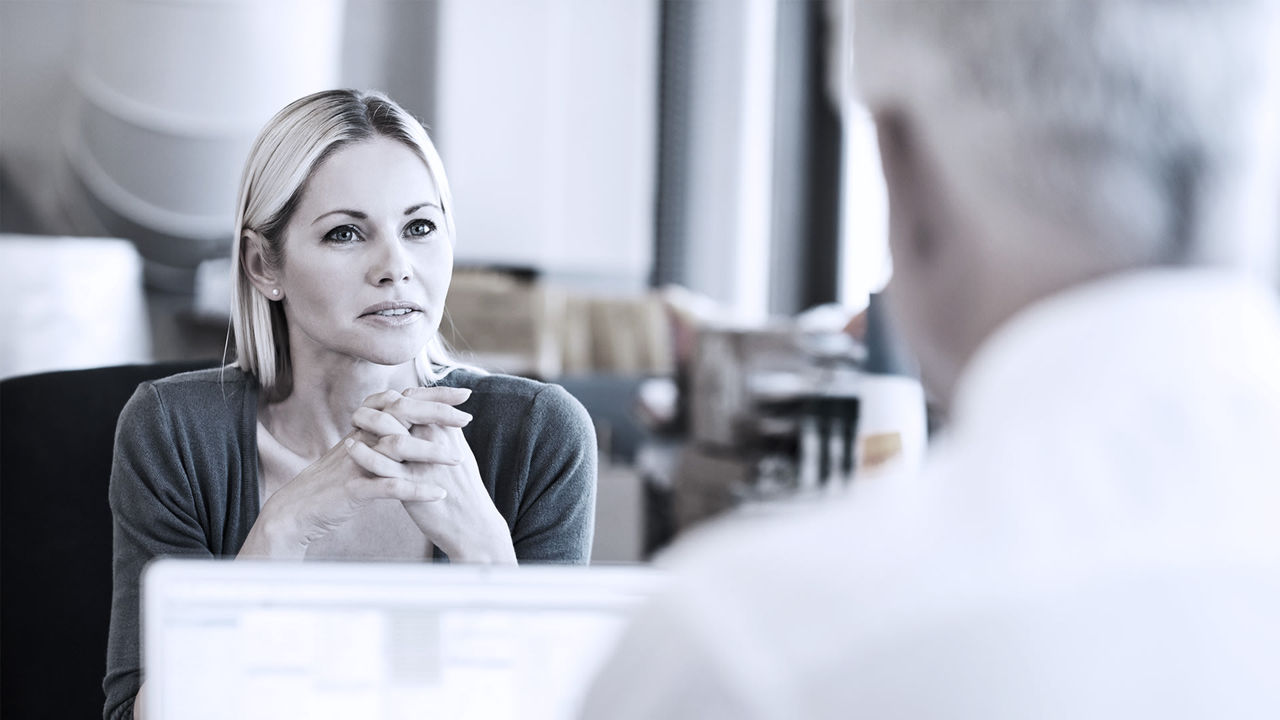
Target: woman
column 344, row 429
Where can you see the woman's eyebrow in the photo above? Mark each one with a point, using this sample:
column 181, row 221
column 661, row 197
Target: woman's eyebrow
column 364, row 216
column 353, row 213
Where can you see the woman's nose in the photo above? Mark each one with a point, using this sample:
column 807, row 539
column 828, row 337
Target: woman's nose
column 391, row 264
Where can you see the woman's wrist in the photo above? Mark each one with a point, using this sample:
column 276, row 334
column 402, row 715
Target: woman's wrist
column 493, row 547
column 493, row 554
column 274, row 535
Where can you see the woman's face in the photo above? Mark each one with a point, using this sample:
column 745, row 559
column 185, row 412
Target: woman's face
column 366, row 259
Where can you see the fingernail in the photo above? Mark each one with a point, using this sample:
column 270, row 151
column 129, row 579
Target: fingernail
column 348, row 443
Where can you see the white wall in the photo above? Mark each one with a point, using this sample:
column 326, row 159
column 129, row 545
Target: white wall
column 865, row 264
column 730, row 184
column 546, row 117
column 41, row 50
column 37, row 41
column 545, row 112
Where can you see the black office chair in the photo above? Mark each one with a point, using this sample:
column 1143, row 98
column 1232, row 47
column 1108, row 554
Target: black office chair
column 57, row 430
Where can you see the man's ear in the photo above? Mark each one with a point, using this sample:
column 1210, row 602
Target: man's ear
column 260, row 272
column 943, row 273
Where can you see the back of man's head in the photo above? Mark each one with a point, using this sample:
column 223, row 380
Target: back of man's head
column 1062, row 141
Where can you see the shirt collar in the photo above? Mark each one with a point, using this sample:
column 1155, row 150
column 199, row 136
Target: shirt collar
column 1123, row 328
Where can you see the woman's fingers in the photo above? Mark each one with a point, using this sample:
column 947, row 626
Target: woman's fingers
column 440, row 394
column 378, row 422
column 384, row 460
column 407, row 448
column 389, row 481
column 365, row 437
column 421, row 406
column 406, row 490
column 419, row 425
column 431, row 433
column 382, row 399
column 372, row 461
column 409, row 411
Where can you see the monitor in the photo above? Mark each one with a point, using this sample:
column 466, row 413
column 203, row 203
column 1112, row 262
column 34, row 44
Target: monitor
column 261, row 639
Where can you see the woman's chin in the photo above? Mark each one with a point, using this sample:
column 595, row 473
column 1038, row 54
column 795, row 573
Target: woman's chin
column 394, row 356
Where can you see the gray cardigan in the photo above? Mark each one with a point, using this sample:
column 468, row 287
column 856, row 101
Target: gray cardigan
column 184, row 482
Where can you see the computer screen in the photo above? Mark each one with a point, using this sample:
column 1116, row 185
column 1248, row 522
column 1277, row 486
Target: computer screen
column 235, row 639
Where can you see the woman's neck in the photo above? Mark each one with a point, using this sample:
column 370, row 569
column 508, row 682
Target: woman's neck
column 316, row 415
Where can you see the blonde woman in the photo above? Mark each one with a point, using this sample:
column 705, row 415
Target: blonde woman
column 343, row 429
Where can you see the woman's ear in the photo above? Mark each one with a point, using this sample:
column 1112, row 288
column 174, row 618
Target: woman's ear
column 261, row 273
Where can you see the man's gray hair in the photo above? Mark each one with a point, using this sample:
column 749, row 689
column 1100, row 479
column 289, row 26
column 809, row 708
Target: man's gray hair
column 1147, row 127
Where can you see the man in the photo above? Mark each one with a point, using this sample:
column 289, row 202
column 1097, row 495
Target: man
column 1083, row 222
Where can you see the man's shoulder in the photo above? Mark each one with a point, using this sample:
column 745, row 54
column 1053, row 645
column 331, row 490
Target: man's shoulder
column 868, row 552
column 807, row 582
column 808, row 540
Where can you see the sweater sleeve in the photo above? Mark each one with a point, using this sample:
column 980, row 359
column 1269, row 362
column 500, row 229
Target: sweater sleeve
column 556, row 520
column 153, row 510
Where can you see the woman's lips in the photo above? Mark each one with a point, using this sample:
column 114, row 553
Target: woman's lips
column 393, row 313
column 393, row 318
column 391, row 308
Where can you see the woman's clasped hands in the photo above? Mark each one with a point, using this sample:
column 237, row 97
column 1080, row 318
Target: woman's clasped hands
column 405, row 446
column 416, row 437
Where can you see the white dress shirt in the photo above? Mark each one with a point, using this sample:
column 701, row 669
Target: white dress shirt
column 1096, row 535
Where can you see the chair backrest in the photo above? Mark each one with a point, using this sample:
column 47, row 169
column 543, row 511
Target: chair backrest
column 57, row 432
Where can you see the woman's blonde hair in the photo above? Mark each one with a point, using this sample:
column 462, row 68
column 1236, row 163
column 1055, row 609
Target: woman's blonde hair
column 284, row 157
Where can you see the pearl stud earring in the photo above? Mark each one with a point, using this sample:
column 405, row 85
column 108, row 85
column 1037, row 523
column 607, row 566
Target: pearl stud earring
column 275, row 292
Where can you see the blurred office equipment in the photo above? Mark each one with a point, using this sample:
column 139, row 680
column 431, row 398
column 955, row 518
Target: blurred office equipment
column 169, row 95
column 382, row 641
column 778, row 413
column 57, row 432
column 516, row 321
column 698, row 414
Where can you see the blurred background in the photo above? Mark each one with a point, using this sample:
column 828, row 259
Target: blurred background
column 674, row 208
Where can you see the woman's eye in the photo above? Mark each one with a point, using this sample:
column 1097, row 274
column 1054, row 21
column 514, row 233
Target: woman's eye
column 420, row 228
column 343, row 234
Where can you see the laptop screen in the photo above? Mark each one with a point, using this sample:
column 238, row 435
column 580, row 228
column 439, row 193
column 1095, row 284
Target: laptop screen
column 237, row 639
